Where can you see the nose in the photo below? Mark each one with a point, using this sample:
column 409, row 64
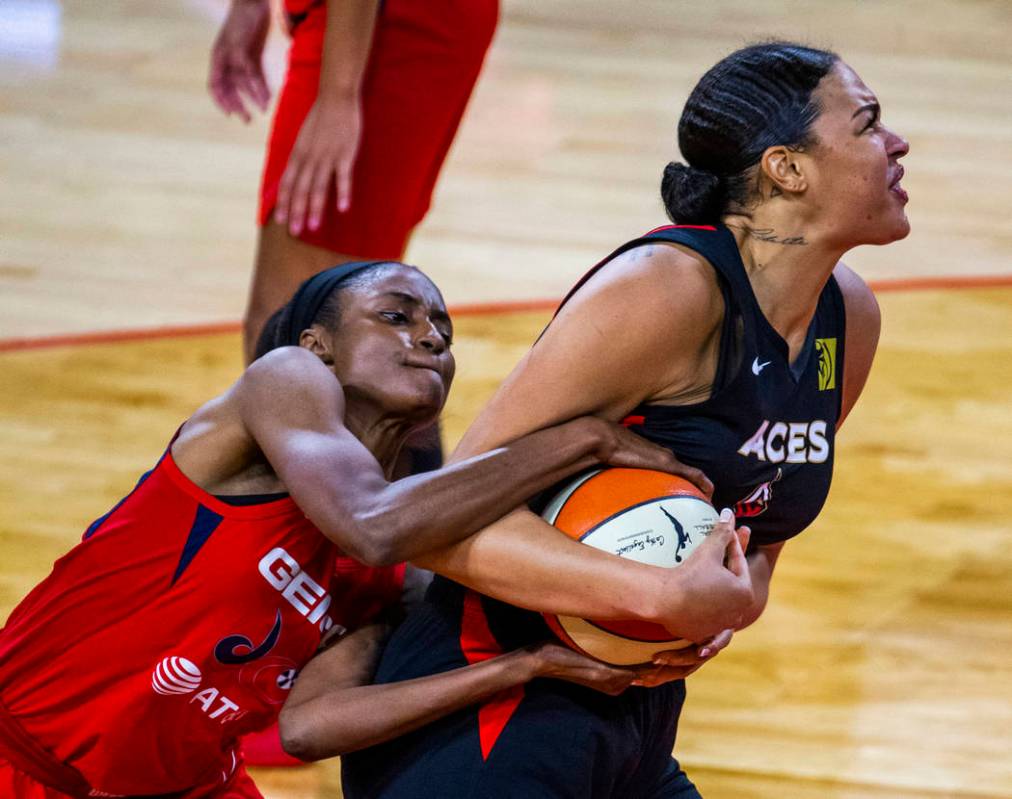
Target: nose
column 897, row 145
column 431, row 339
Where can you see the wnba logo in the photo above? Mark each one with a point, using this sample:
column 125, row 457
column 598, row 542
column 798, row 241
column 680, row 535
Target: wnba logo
column 826, row 347
column 175, row 675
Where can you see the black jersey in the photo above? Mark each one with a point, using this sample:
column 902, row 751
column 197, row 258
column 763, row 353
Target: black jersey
column 765, row 437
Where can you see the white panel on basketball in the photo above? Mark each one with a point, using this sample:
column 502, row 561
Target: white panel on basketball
column 553, row 508
column 661, row 532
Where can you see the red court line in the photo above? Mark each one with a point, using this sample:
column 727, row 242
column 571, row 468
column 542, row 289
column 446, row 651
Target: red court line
column 472, row 309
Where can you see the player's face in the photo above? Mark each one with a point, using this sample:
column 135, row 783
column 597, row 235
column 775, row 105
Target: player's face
column 853, row 169
column 392, row 346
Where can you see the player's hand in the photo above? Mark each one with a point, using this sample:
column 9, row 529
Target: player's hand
column 236, row 59
column 677, row 664
column 712, row 590
column 324, row 153
column 620, row 447
column 560, row 663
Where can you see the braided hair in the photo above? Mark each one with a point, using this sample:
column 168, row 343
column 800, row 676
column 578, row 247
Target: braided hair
column 755, row 98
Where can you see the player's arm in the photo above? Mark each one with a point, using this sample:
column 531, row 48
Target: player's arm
column 864, row 323
column 643, row 328
column 333, row 709
column 292, row 406
column 327, row 145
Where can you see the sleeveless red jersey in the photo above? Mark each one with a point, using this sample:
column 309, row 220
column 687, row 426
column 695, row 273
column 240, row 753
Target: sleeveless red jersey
column 175, row 626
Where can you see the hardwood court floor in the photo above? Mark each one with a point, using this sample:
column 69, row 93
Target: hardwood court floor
column 881, row 668
column 128, row 200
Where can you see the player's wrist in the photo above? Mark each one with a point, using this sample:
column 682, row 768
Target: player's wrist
column 594, row 436
column 339, row 94
column 659, row 596
column 523, row 665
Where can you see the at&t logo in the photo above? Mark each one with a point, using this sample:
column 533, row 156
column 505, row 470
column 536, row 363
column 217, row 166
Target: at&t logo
column 175, row 675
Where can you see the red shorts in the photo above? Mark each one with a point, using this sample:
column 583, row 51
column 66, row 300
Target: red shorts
column 424, row 62
column 16, row 784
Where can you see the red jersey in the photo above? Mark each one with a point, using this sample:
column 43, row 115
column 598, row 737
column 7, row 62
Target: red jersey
column 175, row 626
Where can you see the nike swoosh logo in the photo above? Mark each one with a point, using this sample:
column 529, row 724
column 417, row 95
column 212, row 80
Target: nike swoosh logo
column 758, row 367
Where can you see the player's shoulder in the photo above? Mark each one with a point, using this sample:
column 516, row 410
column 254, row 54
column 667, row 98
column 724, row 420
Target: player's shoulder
column 287, row 367
column 287, row 376
column 663, row 284
column 859, row 300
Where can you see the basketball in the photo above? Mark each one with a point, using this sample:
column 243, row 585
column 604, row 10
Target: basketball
column 646, row 516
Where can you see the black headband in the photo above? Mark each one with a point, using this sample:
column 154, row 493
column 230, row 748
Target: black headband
column 311, row 296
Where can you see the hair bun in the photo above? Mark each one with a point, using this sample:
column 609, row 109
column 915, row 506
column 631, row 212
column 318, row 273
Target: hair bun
column 691, row 196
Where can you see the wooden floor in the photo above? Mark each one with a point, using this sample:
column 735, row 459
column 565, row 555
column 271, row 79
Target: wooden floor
column 883, row 667
column 127, row 200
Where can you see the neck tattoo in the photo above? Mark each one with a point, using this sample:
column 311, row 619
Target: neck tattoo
column 770, row 235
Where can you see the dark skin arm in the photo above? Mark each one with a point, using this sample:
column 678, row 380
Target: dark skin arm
column 290, row 407
column 333, row 709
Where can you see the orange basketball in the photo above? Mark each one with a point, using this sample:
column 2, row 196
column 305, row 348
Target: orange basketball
column 646, row 516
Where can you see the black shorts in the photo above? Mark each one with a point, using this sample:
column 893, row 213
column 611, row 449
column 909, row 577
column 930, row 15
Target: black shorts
column 546, row 740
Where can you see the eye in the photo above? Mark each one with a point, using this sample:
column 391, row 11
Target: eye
column 394, row 317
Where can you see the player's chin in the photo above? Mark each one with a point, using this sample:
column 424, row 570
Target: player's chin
column 900, row 228
column 425, row 400
column 893, row 225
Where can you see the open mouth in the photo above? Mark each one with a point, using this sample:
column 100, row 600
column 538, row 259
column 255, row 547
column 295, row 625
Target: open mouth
column 895, row 187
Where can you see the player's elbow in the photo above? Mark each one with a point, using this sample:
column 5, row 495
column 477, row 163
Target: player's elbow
column 367, row 538
column 297, row 737
column 306, row 741
column 380, row 553
column 387, row 538
column 378, row 546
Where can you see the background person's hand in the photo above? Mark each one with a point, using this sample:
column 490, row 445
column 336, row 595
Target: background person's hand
column 236, row 75
column 324, row 154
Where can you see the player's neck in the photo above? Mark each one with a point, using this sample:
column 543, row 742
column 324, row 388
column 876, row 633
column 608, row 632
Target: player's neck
column 381, row 434
column 788, row 263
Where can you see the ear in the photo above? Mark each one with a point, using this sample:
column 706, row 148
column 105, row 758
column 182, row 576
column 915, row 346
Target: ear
column 782, row 168
column 317, row 341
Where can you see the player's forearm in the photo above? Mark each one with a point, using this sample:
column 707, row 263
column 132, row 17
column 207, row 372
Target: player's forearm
column 345, row 719
column 522, row 560
column 347, row 42
column 416, row 515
